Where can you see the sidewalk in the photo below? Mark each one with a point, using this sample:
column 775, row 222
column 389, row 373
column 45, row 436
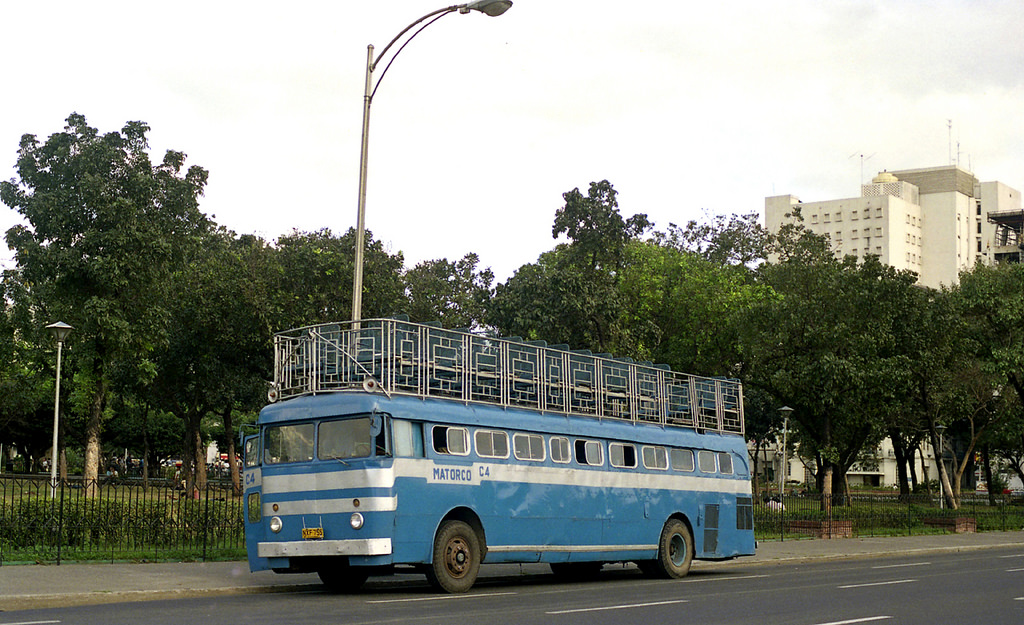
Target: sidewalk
column 40, row 586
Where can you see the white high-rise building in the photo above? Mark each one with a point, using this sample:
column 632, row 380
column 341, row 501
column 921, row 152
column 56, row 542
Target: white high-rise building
column 936, row 221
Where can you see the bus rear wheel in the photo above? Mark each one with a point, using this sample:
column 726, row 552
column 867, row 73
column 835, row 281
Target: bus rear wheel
column 456, row 561
column 675, row 552
column 343, row 578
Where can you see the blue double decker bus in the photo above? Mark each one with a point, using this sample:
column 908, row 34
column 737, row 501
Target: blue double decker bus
column 390, row 444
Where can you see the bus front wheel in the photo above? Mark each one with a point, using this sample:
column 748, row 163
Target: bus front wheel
column 456, row 559
column 675, row 552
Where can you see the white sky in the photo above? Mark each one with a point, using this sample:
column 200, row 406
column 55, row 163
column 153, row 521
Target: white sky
column 482, row 123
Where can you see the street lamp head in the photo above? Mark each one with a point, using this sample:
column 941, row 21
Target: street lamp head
column 939, row 429
column 59, row 330
column 494, row 8
column 786, row 411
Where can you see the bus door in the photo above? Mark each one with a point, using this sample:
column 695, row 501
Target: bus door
column 253, row 507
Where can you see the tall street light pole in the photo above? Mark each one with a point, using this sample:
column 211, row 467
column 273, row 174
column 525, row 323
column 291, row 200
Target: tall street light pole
column 60, row 331
column 493, row 8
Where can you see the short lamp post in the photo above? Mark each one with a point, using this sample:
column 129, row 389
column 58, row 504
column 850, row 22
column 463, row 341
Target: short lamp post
column 60, row 331
column 492, row 8
column 786, row 411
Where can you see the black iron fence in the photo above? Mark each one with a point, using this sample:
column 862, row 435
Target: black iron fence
column 872, row 514
column 122, row 519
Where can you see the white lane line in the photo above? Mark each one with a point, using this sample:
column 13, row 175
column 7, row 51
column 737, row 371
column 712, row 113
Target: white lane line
column 897, row 566
column 1015, row 555
column 441, row 598
column 895, row 581
column 625, row 606
column 867, row 619
column 1014, row 570
column 698, row 580
column 32, row 623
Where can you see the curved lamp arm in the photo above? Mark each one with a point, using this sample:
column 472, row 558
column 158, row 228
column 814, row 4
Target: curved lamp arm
column 492, row 8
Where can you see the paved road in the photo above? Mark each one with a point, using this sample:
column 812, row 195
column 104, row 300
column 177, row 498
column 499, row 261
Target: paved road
column 922, row 587
column 26, row 587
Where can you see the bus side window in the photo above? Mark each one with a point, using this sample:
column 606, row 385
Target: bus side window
column 407, row 439
column 725, row 462
column 560, row 449
column 252, row 451
column 622, row 456
column 682, row 460
column 589, row 453
column 654, row 457
column 706, row 461
column 449, row 440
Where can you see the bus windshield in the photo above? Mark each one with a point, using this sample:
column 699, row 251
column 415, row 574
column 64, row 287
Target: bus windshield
column 350, row 438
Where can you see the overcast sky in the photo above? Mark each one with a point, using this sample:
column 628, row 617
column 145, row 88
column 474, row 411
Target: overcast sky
column 482, row 123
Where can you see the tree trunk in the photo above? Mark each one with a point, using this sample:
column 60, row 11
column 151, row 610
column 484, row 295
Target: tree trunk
column 947, row 488
column 988, row 474
column 91, row 471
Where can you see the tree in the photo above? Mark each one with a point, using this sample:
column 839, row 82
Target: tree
column 106, row 229
column 314, row 272
column 454, row 293
column 826, row 343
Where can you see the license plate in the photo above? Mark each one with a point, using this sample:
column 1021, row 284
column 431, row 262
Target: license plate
column 312, row 533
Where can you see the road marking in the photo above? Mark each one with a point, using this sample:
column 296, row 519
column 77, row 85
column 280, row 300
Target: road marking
column 1014, row 570
column 867, row 619
column 32, row 623
column 1016, row 555
column 441, row 598
column 689, row 580
column 895, row 581
column 896, row 566
column 625, row 606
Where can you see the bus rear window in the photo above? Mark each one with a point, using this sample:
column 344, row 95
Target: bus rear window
column 344, row 439
column 288, row 443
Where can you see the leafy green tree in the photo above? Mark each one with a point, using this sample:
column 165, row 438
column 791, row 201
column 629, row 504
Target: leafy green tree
column 453, row 293
column 315, row 278
column 827, row 344
column 723, row 240
column 105, row 231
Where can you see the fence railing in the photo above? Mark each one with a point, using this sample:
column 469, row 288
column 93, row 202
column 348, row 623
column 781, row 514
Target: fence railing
column 125, row 520
column 874, row 514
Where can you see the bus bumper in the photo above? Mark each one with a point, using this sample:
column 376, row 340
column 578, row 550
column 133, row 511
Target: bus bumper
column 300, row 549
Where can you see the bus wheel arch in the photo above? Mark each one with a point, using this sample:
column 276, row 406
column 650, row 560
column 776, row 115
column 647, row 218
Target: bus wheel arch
column 458, row 551
column 675, row 550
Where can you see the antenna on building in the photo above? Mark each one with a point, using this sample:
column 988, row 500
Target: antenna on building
column 949, row 127
column 862, row 160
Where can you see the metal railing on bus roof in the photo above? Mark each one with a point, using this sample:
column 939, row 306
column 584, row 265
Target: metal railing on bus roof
column 402, row 358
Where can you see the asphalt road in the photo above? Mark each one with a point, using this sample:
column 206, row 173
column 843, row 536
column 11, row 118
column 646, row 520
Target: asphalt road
column 983, row 586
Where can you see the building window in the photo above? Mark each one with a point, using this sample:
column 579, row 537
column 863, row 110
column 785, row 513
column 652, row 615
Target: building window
column 878, row 212
column 853, row 215
column 839, row 237
column 839, row 216
column 908, row 237
column 814, row 219
column 908, row 257
column 827, row 218
column 979, row 227
column 878, row 232
column 979, row 246
column 853, row 235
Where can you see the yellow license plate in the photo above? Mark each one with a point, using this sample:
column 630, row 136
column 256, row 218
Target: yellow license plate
column 312, row 533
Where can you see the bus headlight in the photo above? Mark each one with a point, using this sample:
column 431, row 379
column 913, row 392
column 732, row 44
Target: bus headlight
column 356, row 520
column 276, row 524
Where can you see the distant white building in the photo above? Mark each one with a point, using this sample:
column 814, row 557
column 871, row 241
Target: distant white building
column 936, row 221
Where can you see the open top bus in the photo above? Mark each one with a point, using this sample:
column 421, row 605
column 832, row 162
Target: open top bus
column 392, row 444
